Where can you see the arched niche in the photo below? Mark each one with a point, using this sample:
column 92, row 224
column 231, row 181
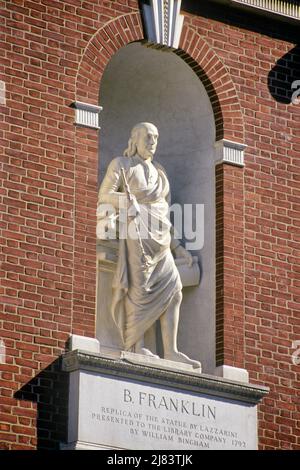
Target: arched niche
column 144, row 84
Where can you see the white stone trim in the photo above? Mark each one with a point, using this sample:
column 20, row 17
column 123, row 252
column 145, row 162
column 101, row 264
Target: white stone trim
column 232, row 373
column 87, row 115
column 2, row 93
column 79, row 361
column 84, row 343
column 230, row 152
column 163, row 22
column 288, row 8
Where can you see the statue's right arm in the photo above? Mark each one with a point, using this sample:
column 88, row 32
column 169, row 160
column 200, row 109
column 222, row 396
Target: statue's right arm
column 110, row 189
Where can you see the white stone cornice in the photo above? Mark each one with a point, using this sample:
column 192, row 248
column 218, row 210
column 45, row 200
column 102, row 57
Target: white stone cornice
column 193, row 381
column 163, row 22
column 87, row 115
column 230, row 152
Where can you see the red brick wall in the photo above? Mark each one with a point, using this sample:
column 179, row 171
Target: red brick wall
column 53, row 53
column 271, row 243
column 47, row 210
column 230, row 280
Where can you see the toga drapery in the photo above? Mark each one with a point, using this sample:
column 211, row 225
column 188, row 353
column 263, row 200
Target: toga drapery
column 141, row 296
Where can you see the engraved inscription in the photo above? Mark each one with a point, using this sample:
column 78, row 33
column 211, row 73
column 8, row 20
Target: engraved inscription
column 171, row 404
column 169, row 421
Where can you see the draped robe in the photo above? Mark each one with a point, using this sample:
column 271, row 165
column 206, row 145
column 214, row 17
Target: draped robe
column 141, row 296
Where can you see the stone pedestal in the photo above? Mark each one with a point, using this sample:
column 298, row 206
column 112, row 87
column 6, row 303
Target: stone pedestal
column 126, row 404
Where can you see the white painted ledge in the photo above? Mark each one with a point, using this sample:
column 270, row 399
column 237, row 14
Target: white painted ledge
column 230, row 152
column 84, row 343
column 232, row 373
column 87, row 115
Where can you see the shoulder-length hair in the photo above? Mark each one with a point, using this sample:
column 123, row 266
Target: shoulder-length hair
column 131, row 150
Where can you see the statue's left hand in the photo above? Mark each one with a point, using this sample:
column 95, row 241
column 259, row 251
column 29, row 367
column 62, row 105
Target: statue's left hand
column 181, row 252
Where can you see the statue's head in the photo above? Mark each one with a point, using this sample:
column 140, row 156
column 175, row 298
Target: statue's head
column 143, row 141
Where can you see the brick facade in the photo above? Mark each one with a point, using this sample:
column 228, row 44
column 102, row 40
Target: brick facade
column 54, row 53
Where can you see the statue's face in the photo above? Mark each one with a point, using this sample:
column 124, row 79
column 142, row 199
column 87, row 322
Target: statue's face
column 146, row 141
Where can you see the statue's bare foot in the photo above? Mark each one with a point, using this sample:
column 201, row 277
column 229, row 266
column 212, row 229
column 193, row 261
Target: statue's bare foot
column 145, row 352
column 180, row 357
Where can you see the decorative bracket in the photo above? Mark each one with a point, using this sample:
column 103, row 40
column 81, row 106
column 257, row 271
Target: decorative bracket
column 87, row 115
column 230, row 152
column 163, row 22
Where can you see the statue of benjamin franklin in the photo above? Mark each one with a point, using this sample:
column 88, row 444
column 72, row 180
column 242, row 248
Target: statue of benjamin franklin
column 144, row 292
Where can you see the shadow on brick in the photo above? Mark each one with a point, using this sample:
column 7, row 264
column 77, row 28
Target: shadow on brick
column 49, row 389
column 282, row 76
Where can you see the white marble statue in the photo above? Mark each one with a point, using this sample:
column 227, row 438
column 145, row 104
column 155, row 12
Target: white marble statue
column 147, row 286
